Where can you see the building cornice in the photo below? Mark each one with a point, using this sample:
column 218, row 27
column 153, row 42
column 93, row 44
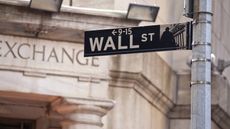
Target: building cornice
column 142, row 86
column 220, row 98
column 74, row 9
column 218, row 116
column 68, row 25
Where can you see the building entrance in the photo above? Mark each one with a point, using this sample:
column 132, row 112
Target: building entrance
column 7, row 123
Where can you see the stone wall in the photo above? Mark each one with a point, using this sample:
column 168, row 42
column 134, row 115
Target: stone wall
column 149, row 93
column 221, row 31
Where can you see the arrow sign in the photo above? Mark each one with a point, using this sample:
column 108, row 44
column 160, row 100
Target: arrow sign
column 138, row 39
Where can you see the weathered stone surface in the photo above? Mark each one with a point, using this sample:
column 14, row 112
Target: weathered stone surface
column 23, row 21
column 49, row 57
column 157, row 71
column 82, row 113
column 144, row 86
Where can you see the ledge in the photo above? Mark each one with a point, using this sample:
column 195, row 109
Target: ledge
column 220, row 101
column 64, row 26
column 218, row 115
column 142, row 86
column 74, row 9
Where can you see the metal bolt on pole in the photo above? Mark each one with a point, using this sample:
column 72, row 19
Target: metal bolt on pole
column 201, row 66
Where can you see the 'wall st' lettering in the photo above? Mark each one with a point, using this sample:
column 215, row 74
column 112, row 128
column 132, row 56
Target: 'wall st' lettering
column 104, row 44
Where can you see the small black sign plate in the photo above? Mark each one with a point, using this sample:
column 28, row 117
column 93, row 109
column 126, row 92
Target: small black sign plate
column 138, row 39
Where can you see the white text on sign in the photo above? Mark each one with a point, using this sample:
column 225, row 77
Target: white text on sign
column 96, row 43
column 147, row 37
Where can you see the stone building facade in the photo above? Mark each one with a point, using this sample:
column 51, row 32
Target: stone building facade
column 46, row 83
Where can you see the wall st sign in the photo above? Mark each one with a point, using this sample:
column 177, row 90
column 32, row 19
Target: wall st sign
column 138, row 39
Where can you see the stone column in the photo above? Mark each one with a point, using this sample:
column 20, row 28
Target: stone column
column 81, row 113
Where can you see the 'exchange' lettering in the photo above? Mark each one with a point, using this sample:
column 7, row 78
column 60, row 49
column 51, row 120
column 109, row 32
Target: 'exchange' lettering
column 34, row 52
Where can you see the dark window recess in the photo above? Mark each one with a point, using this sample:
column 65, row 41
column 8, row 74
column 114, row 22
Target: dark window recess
column 7, row 123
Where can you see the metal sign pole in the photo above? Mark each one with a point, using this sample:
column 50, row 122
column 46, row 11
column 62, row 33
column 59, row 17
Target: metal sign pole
column 201, row 66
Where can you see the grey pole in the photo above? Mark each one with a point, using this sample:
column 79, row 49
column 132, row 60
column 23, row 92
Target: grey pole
column 201, row 66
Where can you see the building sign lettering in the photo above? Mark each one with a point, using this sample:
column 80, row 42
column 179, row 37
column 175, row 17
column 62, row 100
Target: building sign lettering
column 16, row 50
column 48, row 56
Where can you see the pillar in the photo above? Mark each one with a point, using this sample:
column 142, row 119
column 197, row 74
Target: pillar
column 81, row 113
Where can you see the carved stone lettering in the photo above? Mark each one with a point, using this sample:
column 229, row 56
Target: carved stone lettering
column 47, row 56
column 10, row 49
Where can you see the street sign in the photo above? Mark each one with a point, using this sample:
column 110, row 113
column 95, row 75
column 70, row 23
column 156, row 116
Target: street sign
column 138, row 39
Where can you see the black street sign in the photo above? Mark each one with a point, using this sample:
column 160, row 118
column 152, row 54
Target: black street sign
column 138, row 39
